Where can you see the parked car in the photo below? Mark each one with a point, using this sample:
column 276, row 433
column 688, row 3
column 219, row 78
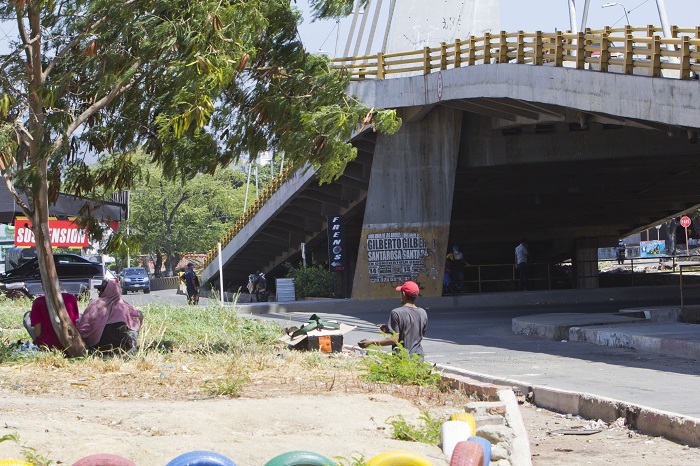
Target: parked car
column 135, row 279
column 77, row 274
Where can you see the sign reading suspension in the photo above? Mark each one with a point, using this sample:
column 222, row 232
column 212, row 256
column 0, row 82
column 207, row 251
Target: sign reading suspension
column 395, row 257
column 62, row 233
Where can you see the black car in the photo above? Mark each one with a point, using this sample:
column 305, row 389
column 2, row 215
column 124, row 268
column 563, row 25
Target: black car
column 76, row 273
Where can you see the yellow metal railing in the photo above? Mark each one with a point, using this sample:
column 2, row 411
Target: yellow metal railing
column 629, row 48
column 250, row 212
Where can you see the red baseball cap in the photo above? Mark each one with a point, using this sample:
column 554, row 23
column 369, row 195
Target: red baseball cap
column 410, row 288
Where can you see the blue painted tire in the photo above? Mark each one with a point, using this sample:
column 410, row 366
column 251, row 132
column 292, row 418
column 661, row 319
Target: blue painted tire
column 486, row 445
column 104, row 459
column 201, row 458
column 300, row 458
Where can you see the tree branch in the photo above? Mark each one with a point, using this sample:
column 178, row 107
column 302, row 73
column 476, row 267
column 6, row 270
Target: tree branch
column 90, row 111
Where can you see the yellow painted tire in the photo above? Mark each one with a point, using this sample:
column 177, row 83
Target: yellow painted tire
column 465, row 417
column 398, row 458
column 14, row 463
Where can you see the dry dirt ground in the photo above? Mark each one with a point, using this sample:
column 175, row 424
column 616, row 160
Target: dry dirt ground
column 151, row 411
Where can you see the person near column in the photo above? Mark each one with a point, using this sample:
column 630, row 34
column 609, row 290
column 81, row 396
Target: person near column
column 407, row 324
column 521, row 254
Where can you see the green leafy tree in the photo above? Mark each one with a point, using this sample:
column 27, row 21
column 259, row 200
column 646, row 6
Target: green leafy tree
column 180, row 77
column 171, row 218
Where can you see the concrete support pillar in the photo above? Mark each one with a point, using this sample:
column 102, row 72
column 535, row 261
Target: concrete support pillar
column 409, row 203
column 586, row 263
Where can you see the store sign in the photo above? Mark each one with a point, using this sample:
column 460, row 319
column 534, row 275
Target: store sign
column 336, row 243
column 62, row 233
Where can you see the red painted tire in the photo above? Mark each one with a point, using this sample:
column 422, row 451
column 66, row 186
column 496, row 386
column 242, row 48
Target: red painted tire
column 104, row 459
column 467, row 453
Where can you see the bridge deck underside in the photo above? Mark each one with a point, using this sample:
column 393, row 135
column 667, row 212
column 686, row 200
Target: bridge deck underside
column 557, row 202
column 302, row 219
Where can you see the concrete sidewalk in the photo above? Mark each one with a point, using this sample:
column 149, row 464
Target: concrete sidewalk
column 637, row 375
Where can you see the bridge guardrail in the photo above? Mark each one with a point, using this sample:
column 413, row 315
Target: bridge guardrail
column 250, row 212
column 630, row 48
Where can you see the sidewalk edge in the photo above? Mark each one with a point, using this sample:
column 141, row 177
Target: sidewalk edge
column 649, row 421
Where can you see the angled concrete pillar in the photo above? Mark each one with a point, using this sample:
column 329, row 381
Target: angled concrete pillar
column 409, row 202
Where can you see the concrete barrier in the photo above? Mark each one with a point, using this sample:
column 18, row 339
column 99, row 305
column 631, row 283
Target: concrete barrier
column 165, row 283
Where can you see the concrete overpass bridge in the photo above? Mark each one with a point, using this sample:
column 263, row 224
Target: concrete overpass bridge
column 570, row 140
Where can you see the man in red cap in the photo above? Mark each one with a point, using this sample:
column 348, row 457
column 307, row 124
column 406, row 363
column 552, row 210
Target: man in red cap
column 407, row 324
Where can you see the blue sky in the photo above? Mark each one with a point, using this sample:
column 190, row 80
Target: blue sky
column 529, row 15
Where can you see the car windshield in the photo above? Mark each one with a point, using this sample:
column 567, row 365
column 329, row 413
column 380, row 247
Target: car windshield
column 135, row 271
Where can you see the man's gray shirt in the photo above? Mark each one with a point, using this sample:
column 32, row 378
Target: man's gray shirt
column 411, row 324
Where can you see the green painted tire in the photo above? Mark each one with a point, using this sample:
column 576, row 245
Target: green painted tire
column 398, row 458
column 300, row 458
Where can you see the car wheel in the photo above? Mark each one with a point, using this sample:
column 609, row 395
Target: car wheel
column 147, row 290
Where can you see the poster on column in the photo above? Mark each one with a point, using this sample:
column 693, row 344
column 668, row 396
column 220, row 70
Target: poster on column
column 395, row 257
column 336, row 243
column 62, row 233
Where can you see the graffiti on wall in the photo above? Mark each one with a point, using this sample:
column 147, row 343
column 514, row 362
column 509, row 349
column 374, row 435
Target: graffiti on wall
column 396, row 257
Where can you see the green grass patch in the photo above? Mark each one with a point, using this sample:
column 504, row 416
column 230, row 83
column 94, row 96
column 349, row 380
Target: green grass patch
column 399, row 367
column 428, row 432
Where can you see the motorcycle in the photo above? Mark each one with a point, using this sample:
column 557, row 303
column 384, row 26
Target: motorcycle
column 17, row 290
column 257, row 285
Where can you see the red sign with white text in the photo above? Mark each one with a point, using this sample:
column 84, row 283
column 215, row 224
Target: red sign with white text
column 62, row 233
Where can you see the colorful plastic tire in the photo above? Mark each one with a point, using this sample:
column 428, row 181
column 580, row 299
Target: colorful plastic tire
column 485, row 445
column 104, row 459
column 454, row 432
column 398, row 458
column 467, row 454
column 201, row 458
column 300, row 458
column 14, row 463
column 465, row 417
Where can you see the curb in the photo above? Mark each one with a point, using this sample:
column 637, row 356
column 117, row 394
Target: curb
column 649, row 421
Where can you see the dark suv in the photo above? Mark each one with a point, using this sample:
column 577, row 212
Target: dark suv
column 135, row 279
column 77, row 274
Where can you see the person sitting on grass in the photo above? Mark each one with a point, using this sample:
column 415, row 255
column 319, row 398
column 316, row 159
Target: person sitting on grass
column 110, row 324
column 38, row 323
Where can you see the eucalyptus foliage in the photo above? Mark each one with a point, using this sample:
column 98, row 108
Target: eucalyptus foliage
column 198, row 83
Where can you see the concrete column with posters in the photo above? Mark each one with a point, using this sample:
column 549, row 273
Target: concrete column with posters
column 409, row 203
column 586, row 263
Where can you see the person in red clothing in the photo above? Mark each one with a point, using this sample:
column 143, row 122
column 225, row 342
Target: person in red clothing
column 40, row 327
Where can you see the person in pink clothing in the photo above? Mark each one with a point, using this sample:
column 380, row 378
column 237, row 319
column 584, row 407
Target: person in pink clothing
column 40, row 327
column 110, row 324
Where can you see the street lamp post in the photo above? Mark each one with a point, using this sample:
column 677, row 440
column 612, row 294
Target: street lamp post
column 607, row 5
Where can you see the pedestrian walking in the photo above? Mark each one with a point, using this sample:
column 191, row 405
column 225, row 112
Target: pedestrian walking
column 192, row 284
column 521, row 255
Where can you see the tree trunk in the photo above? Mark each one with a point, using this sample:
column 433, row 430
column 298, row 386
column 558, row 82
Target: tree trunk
column 63, row 327
column 60, row 321
column 158, row 264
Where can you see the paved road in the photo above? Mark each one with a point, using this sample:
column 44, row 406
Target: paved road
column 479, row 339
